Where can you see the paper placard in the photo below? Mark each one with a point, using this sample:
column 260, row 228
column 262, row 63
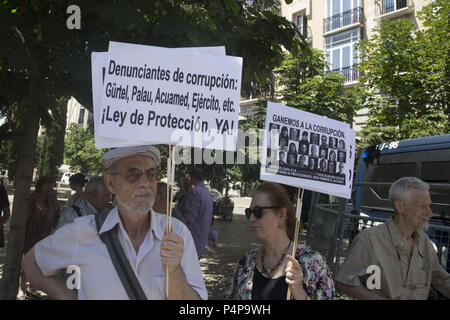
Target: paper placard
column 309, row 151
column 166, row 96
column 98, row 66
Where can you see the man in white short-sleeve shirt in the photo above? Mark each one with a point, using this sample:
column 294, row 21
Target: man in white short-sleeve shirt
column 141, row 232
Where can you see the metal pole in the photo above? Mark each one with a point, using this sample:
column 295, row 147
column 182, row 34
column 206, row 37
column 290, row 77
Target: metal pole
column 341, row 212
column 312, row 208
column 341, row 235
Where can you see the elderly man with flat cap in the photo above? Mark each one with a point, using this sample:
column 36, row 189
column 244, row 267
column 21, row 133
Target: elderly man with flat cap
column 149, row 250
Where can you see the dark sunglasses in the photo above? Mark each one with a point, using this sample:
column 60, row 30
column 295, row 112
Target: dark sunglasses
column 257, row 211
column 134, row 175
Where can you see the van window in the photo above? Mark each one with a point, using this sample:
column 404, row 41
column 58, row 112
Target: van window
column 438, row 172
column 390, row 167
column 376, row 198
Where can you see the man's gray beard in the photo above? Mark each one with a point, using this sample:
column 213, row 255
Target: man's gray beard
column 141, row 207
column 424, row 227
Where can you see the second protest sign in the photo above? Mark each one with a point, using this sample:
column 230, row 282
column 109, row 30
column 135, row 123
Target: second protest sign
column 306, row 150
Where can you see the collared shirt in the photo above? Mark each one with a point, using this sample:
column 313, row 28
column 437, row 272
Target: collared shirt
column 78, row 244
column 197, row 209
column 402, row 271
column 69, row 214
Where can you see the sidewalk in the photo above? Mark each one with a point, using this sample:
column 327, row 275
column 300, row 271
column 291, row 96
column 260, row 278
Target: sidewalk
column 234, row 239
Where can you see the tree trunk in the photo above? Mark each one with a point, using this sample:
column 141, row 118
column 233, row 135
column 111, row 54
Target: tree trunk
column 24, row 176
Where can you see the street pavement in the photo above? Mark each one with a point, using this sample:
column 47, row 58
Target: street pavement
column 234, row 239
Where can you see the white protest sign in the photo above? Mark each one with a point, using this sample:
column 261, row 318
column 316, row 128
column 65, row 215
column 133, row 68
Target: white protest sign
column 170, row 97
column 305, row 150
column 98, row 66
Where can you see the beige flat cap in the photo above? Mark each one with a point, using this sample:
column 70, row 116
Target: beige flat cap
column 118, row 153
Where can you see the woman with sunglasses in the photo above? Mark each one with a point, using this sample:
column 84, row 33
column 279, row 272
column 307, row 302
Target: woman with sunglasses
column 267, row 272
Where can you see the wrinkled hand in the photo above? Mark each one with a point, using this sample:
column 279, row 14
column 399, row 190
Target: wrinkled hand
column 294, row 278
column 172, row 247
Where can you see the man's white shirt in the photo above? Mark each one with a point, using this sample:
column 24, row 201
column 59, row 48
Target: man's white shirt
column 78, row 244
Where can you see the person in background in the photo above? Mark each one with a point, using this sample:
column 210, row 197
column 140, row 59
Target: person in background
column 184, row 187
column 5, row 212
column 96, row 199
column 267, row 272
column 4, row 179
column 197, row 209
column 76, row 183
column 160, row 205
column 399, row 248
column 43, row 210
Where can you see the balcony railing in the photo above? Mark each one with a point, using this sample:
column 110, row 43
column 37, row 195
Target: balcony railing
column 343, row 19
column 350, row 73
column 393, row 5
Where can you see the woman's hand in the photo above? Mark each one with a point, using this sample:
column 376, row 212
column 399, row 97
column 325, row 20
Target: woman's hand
column 294, row 278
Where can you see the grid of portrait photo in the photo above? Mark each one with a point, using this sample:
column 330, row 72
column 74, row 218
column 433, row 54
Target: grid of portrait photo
column 305, row 154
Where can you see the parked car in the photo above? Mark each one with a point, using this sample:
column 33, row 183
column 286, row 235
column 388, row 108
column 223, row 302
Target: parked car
column 223, row 206
column 65, row 178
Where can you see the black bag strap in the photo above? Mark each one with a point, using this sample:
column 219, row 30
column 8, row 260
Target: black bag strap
column 77, row 209
column 119, row 259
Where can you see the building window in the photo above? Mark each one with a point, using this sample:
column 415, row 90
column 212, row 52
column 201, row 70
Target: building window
column 393, row 5
column 81, row 116
column 302, row 24
column 342, row 54
column 352, row 35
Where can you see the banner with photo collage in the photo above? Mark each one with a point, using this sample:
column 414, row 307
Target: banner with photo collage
column 306, row 150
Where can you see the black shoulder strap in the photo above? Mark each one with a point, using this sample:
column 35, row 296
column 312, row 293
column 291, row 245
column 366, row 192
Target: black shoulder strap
column 77, row 209
column 119, row 259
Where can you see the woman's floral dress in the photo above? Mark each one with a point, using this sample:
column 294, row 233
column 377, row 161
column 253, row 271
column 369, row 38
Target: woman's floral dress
column 317, row 281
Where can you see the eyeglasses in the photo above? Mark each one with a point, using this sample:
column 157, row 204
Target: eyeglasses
column 257, row 211
column 134, row 175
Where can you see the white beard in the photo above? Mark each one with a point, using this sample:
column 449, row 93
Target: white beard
column 142, row 206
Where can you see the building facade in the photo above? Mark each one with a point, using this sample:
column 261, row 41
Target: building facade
column 78, row 114
column 336, row 27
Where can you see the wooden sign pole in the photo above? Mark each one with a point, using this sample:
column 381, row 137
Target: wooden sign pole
column 297, row 228
column 170, row 181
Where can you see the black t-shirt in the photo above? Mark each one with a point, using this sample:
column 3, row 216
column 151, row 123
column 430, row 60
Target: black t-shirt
column 268, row 289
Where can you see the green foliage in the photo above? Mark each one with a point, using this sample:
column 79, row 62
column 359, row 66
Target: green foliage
column 305, row 85
column 36, row 40
column 80, row 152
column 411, row 66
